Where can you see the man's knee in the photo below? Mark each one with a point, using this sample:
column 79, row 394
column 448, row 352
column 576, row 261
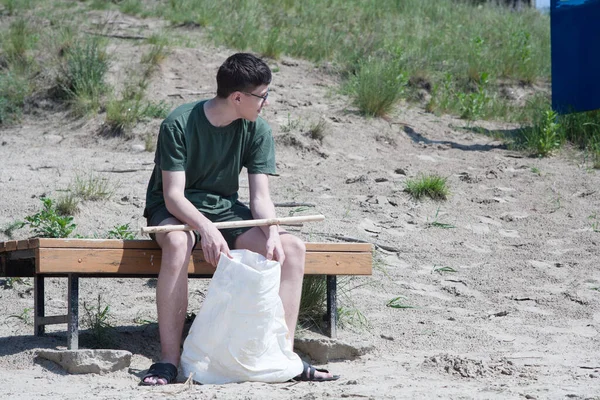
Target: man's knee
column 293, row 245
column 295, row 252
column 176, row 244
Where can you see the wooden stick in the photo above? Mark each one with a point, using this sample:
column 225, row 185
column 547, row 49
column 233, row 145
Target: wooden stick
column 237, row 224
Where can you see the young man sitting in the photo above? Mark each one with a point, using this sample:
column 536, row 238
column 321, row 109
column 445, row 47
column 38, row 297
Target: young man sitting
column 202, row 148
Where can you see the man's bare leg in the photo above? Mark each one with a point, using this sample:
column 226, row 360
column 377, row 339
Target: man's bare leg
column 292, row 273
column 172, row 292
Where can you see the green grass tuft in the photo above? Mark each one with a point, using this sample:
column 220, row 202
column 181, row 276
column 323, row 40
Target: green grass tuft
column 314, row 299
column 122, row 115
column 92, row 187
column 83, row 76
column 97, row 318
column 432, row 186
column 377, row 86
column 68, row 204
column 156, row 55
column 441, row 270
column 583, row 130
column 21, row 38
column 318, row 130
column 24, row 316
column 312, row 302
column 545, row 135
column 149, row 142
column 14, row 88
column 398, row 302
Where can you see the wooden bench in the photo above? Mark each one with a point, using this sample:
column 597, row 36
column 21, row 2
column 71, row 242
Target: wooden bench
column 111, row 258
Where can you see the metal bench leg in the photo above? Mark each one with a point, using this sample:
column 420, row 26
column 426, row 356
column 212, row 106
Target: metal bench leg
column 73, row 313
column 39, row 310
column 332, row 306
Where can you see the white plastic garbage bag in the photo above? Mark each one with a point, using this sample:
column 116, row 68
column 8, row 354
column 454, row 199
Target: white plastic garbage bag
column 240, row 333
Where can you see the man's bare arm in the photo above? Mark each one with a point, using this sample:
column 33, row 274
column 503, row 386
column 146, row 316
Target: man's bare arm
column 177, row 204
column 212, row 240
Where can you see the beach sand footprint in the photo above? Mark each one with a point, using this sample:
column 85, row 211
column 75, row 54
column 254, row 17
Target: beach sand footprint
column 476, row 248
column 509, row 233
column 469, row 368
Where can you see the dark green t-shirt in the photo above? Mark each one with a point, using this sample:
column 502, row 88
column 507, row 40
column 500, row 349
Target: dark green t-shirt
column 212, row 157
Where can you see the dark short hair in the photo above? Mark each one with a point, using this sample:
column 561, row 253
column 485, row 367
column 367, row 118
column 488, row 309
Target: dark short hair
column 241, row 72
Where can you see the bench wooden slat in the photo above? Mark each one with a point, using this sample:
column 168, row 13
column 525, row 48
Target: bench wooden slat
column 11, row 246
column 23, row 244
column 143, row 262
column 343, row 247
column 96, row 243
column 339, row 263
column 151, row 244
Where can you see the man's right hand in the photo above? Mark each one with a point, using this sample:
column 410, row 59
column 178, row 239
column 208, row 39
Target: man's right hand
column 213, row 244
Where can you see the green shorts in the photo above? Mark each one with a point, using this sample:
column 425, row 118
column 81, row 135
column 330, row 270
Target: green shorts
column 238, row 212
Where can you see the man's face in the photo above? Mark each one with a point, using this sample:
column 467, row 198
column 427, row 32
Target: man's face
column 253, row 102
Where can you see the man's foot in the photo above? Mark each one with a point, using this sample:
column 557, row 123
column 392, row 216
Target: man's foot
column 160, row 374
column 312, row 374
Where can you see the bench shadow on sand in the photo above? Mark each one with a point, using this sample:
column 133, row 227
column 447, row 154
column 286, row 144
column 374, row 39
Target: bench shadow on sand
column 142, row 340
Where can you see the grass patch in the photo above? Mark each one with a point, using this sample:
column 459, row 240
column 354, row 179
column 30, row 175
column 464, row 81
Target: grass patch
column 545, row 135
column 442, row 270
column 377, row 86
column 156, row 55
column 131, row 7
column 313, row 304
column 437, row 224
column 83, row 75
column 546, row 131
column 594, row 222
column 123, row 114
column 122, row 232
column 583, row 130
column 432, row 186
column 14, row 88
column 318, row 130
column 349, row 316
column 13, row 7
column 20, row 38
column 293, row 124
column 473, row 105
column 272, row 47
column 96, row 318
column 24, row 316
column 464, row 55
column 48, row 223
column 10, row 229
column 398, row 302
column 313, row 300
column 425, row 37
column 149, row 142
column 68, row 204
column 92, row 187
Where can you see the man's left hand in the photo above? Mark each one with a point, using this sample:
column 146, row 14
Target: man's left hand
column 274, row 248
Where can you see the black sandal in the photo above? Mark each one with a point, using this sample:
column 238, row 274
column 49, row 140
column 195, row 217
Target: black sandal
column 166, row 371
column 308, row 374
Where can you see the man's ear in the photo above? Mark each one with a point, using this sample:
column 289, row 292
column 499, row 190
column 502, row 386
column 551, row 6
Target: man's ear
column 236, row 97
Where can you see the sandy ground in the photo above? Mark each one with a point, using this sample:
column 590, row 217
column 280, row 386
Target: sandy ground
column 515, row 313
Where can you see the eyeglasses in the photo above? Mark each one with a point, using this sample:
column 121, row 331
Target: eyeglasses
column 264, row 98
